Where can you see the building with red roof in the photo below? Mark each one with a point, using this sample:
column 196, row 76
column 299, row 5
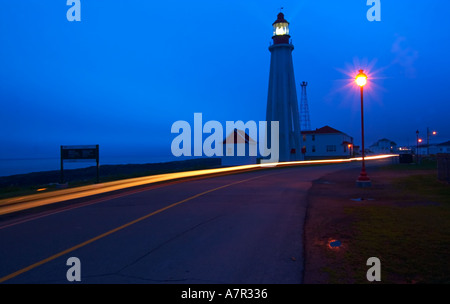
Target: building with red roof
column 327, row 143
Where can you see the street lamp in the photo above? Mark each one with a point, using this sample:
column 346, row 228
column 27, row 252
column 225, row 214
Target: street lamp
column 363, row 180
column 417, row 146
column 428, row 139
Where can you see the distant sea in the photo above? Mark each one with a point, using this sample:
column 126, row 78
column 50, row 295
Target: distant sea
column 28, row 165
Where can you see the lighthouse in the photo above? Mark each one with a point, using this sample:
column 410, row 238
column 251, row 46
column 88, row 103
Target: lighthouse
column 282, row 103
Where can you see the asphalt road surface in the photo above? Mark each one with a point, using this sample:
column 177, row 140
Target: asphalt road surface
column 234, row 229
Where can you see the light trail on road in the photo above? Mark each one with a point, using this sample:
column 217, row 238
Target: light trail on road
column 128, row 218
column 35, row 200
column 73, row 248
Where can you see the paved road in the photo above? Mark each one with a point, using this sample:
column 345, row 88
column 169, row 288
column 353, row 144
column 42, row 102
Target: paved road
column 241, row 228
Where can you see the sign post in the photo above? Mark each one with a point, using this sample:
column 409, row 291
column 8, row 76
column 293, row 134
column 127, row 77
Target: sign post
column 80, row 153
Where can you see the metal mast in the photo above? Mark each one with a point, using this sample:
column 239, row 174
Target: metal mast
column 304, row 110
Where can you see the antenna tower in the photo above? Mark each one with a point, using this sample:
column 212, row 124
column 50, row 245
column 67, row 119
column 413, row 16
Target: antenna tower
column 304, row 110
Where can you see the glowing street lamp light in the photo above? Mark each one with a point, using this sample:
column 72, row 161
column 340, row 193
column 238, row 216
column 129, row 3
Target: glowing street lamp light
column 361, row 78
column 417, row 146
column 428, row 139
column 363, row 180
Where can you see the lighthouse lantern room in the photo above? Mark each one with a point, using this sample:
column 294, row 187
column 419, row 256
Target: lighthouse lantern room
column 280, row 30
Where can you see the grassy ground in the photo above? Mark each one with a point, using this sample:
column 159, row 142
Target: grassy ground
column 406, row 225
column 412, row 239
column 25, row 184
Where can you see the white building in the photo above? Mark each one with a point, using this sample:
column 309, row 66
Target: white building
column 425, row 149
column 383, row 146
column 239, row 144
column 326, row 143
column 443, row 147
column 434, row 149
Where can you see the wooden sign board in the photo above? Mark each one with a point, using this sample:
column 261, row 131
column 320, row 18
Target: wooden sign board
column 79, row 153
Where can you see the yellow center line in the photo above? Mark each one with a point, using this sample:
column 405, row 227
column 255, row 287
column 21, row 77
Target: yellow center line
column 28, row 268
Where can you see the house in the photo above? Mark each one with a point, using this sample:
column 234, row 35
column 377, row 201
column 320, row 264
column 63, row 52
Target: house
column 326, row 143
column 434, row 149
column 238, row 149
column 443, row 147
column 383, row 146
column 424, row 149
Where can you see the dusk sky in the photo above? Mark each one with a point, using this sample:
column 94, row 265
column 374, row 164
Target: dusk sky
column 129, row 69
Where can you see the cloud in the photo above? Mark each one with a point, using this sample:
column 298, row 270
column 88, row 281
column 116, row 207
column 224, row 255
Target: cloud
column 405, row 56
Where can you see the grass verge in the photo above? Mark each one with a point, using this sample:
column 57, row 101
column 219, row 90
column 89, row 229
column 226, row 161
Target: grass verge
column 409, row 232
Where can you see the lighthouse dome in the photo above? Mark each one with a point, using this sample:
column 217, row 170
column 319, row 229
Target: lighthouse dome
column 280, row 30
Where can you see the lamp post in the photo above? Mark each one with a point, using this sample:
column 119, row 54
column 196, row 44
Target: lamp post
column 363, row 180
column 417, row 146
column 428, row 139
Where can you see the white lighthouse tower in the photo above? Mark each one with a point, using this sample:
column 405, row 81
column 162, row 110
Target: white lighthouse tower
column 282, row 103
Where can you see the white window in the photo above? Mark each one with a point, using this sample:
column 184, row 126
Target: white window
column 331, row 148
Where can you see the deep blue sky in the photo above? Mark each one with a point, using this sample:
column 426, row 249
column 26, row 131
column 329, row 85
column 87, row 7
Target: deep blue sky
column 129, row 69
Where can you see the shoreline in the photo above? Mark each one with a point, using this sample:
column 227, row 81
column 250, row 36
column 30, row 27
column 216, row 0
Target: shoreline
column 106, row 172
column 26, row 165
